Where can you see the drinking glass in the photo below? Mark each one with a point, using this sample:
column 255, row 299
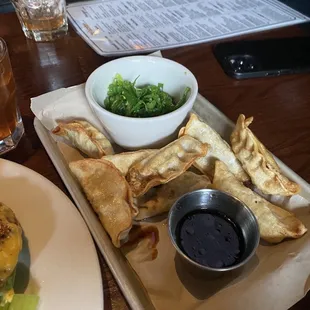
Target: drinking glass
column 42, row 20
column 11, row 125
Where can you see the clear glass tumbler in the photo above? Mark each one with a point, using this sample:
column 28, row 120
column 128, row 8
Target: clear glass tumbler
column 42, row 20
column 11, row 125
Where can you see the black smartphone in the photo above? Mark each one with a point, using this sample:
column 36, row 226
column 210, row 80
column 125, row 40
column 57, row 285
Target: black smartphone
column 261, row 58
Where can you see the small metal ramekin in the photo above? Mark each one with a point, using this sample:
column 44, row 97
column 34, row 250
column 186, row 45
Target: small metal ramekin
column 236, row 210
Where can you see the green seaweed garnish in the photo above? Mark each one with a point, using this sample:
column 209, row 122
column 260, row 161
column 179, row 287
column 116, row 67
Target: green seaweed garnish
column 124, row 98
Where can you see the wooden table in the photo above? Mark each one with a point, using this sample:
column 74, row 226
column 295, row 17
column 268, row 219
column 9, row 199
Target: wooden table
column 280, row 105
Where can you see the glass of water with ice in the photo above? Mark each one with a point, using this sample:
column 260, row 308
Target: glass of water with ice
column 42, row 20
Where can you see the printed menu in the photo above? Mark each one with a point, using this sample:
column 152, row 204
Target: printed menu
column 116, row 27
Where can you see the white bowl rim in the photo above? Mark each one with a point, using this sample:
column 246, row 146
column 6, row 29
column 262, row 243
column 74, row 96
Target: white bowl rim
column 92, row 101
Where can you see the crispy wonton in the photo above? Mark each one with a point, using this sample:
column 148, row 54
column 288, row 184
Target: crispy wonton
column 218, row 148
column 275, row 223
column 258, row 162
column 166, row 195
column 165, row 165
column 109, row 194
column 123, row 161
column 84, row 137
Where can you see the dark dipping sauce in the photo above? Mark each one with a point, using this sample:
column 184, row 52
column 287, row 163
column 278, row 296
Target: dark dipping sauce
column 210, row 238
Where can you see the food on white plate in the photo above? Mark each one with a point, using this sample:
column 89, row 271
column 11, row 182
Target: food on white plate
column 218, row 148
column 10, row 246
column 164, row 196
column 123, row 161
column 85, row 137
column 258, row 162
column 165, row 165
column 109, row 194
column 275, row 223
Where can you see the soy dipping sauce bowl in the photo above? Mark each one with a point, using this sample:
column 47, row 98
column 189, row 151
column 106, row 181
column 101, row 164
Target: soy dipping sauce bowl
column 216, row 201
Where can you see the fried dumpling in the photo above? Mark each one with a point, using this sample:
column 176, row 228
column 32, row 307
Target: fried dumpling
column 109, row 194
column 258, row 162
column 275, row 223
column 85, row 137
column 165, row 165
column 166, row 195
column 142, row 244
column 123, row 161
column 217, row 149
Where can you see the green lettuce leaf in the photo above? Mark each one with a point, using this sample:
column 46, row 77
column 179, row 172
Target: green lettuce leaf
column 24, row 302
column 11, row 301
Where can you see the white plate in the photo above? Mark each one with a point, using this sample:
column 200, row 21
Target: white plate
column 64, row 268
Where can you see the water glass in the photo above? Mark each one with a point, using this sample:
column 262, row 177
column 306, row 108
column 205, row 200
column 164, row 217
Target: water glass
column 42, row 20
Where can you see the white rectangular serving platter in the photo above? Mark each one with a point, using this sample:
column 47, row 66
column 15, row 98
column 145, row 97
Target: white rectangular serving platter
column 128, row 281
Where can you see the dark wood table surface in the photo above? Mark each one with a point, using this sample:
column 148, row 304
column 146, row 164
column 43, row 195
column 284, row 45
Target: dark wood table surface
column 280, row 105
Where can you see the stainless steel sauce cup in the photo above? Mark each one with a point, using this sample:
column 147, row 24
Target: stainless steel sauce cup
column 226, row 204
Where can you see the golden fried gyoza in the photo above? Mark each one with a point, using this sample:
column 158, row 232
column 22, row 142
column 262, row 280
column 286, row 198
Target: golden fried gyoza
column 166, row 195
column 109, row 194
column 258, row 162
column 84, row 137
column 123, row 161
column 218, row 149
column 275, row 223
column 165, row 165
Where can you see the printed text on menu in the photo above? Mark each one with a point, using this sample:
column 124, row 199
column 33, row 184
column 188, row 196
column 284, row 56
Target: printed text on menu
column 125, row 26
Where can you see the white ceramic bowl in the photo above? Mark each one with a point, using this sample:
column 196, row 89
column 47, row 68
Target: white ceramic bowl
column 135, row 133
